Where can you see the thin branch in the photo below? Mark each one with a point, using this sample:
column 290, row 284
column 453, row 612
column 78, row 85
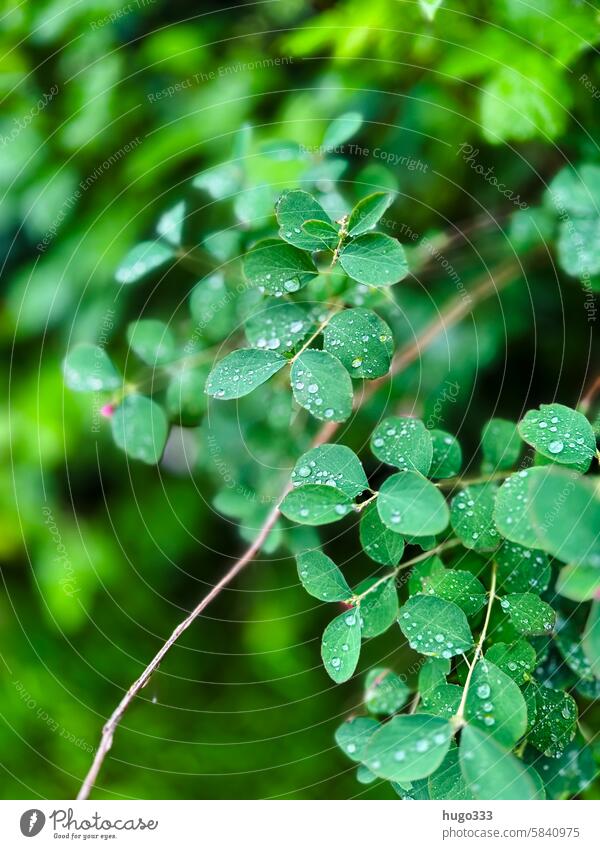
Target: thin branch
column 454, row 312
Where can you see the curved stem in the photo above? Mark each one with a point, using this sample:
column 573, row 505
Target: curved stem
column 453, row 313
column 459, row 718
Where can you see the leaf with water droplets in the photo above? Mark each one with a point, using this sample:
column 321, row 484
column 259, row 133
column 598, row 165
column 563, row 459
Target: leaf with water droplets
column 421, row 571
column 385, row 692
column 322, row 233
column 443, row 700
column 241, row 372
column 378, row 608
column 564, row 508
column 342, row 128
column 517, row 660
column 278, row 267
column 556, row 721
column 472, row 517
column 410, row 504
column 433, row 674
column 572, row 650
column 457, row 586
column 408, row 748
column 321, row 578
column 361, row 341
column 511, row 514
column 403, row 442
column 569, row 774
column 374, row 259
column 315, row 505
column 293, row 209
column 495, row 704
column 142, row 260
column 522, row 570
column 340, row 647
column 139, row 427
column 528, row 613
column 561, row 434
column 378, row 542
column 353, row 735
column 336, row 466
column 490, row 771
column 367, row 212
column 447, row 455
column 278, row 326
column 153, row 341
column 322, row 385
column 434, row 626
column 501, row 445
column 447, row 782
column 88, row 368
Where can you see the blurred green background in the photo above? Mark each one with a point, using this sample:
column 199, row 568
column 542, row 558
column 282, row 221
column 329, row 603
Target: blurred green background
column 109, row 109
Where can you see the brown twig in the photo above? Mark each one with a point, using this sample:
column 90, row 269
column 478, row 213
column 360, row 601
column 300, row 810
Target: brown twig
column 456, row 310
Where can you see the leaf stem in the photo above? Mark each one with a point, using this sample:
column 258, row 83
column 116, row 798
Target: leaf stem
column 458, row 720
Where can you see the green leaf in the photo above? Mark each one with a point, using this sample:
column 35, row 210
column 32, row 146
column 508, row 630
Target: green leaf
column 517, row 660
column 495, row 704
column 576, row 191
column 139, row 427
column 447, row 455
column 170, row 224
column 315, row 505
column 564, row 508
column 211, row 307
column 88, row 368
column 374, row 259
column 522, row 570
column 410, row 504
column 292, row 210
column 403, row 442
column 462, row 588
column 591, row 639
column 568, row 774
column 561, row 434
column 429, row 9
column 336, row 466
column 253, row 206
column 321, row 578
column 361, row 341
column 491, row 772
column 242, row 371
column 322, row 386
column 501, row 445
column 186, row 396
column 578, row 583
column 556, row 721
column 342, row 128
column 434, row 626
column 378, row 608
column 447, row 782
column 353, row 735
column 571, row 649
column 385, row 692
column 528, row 613
column 511, row 514
column 340, row 647
column 153, row 341
column 142, row 260
column 408, row 747
column 278, row 326
column 433, row 674
column 578, row 247
column 421, row 571
column 379, row 543
column 472, row 517
column 278, row 267
column 220, row 181
column 321, row 233
column 443, row 700
column 364, row 775
column 367, row 213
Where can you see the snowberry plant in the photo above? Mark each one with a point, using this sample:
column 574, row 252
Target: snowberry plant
column 490, row 578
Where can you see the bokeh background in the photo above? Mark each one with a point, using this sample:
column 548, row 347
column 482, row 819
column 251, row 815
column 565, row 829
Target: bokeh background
column 109, row 109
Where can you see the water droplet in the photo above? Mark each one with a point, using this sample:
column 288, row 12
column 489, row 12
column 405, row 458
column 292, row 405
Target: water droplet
column 555, row 447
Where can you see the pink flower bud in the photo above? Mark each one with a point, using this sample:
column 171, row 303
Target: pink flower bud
column 107, row 410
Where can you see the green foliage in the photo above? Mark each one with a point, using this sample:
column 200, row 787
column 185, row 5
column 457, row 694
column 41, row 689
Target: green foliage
column 340, row 646
column 321, row 577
